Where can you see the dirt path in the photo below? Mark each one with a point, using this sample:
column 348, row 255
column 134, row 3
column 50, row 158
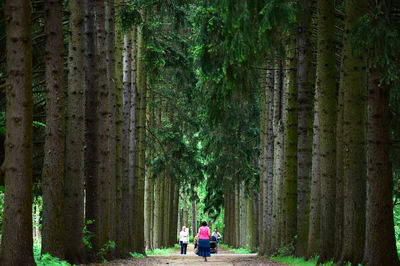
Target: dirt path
column 224, row 257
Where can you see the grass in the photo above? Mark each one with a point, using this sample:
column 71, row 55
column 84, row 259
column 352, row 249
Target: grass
column 237, row 250
column 295, row 261
column 163, row 251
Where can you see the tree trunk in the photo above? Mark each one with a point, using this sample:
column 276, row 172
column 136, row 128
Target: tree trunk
column 354, row 131
column 380, row 239
column 264, row 115
column 118, row 41
column 326, row 89
column 127, row 209
column 75, row 135
column 91, row 153
column 17, row 244
column 103, row 173
column 157, row 210
column 277, row 133
column 194, row 216
column 270, row 157
column 304, row 138
column 339, row 173
column 290, row 147
column 133, row 134
column 112, row 119
column 141, row 141
column 315, row 196
column 53, row 164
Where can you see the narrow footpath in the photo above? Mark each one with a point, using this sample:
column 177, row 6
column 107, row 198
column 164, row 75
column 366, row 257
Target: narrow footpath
column 224, row 257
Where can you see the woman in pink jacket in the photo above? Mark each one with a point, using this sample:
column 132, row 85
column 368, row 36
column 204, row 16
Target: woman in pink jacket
column 204, row 241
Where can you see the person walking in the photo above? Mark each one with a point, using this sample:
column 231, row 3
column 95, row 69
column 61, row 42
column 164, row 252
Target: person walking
column 217, row 236
column 183, row 239
column 204, row 241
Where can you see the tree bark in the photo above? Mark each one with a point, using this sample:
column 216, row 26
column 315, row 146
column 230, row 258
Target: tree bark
column 54, row 149
column 17, row 244
column 91, row 153
column 326, row 89
column 102, row 219
column 127, row 209
column 118, row 43
column 380, row 238
column 315, row 196
column 141, row 141
column 75, row 138
column 290, row 147
column 354, row 133
column 112, row 119
column 304, row 146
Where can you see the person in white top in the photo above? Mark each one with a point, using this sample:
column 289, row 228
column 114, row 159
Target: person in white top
column 184, row 239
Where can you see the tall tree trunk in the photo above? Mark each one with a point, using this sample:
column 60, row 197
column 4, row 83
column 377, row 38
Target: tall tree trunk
column 102, row 220
column 140, row 145
column 194, row 217
column 326, row 89
column 236, row 228
column 304, row 145
column 118, row 41
column 315, row 196
column 380, row 241
column 277, row 132
column 127, row 209
column 133, row 135
column 270, row 157
column 339, row 173
column 75, row 128
column 112, row 118
column 264, row 115
column 17, row 244
column 53, row 164
column 354, row 131
column 91, row 153
column 157, row 210
column 290, row 147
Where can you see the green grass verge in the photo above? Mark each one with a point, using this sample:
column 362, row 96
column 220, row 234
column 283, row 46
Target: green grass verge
column 163, row 251
column 237, row 250
column 298, row 261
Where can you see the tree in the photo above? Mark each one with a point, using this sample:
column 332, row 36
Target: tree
column 17, row 244
column 91, row 154
column 304, row 142
column 290, row 144
column 103, row 133
column 53, row 165
column 140, row 130
column 75, row 138
column 354, row 131
column 326, row 90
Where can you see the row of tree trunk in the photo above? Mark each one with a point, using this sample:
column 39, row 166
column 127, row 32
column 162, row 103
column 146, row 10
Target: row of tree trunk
column 93, row 177
column 316, row 197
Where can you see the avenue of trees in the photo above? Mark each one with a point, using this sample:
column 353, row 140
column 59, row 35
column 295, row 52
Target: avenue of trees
column 130, row 119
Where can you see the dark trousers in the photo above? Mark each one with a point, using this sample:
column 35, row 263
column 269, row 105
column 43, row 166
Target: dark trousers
column 183, row 247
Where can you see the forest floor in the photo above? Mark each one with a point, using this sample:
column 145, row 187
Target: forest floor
column 224, row 257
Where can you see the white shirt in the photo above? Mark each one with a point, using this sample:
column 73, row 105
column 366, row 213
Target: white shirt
column 184, row 236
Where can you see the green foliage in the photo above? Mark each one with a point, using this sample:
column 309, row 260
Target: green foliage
column 87, row 235
column 46, row 259
column 164, row 251
column 107, row 247
column 136, row 255
column 379, row 32
column 291, row 260
column 396, row 216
